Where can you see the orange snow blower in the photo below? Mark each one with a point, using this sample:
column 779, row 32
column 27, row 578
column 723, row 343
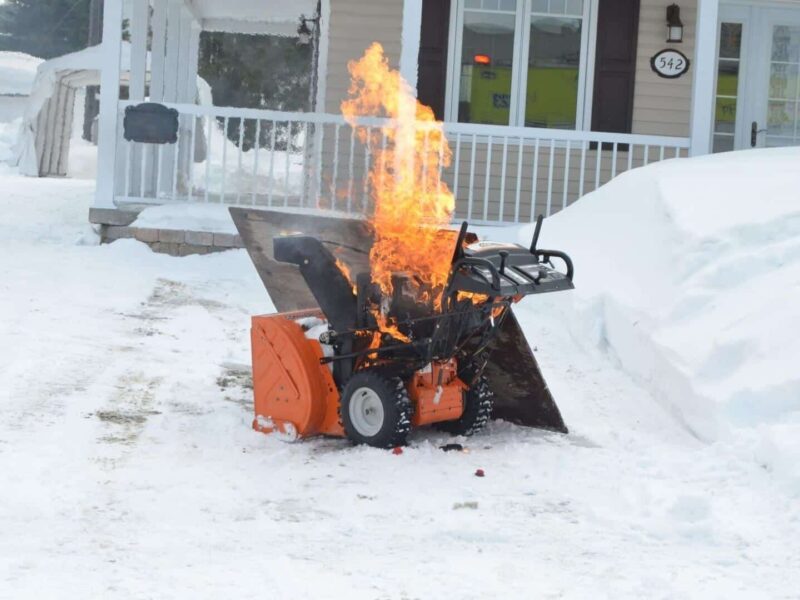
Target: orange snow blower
column 328, row 365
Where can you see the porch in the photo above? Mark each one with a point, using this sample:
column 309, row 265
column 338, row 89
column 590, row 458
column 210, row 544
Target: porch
column 314, row 160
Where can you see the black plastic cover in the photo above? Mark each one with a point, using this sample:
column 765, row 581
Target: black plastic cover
column 151, row 123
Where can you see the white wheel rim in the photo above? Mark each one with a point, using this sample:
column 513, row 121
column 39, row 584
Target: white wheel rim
column 366, row 412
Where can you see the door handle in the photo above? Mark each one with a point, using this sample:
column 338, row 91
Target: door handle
column 754, row 131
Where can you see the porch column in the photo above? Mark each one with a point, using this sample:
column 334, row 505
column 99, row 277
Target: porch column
column 705, row 60
column 109, row 104
column 409, row 52
column 139, row 27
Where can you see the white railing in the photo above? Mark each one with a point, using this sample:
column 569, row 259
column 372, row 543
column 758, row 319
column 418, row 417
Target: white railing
column 283, row 159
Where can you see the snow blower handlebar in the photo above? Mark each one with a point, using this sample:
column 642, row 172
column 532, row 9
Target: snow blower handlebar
column 546, row 254
column 507, row 270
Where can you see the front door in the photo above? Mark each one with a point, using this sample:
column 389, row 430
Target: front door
column 758, row 87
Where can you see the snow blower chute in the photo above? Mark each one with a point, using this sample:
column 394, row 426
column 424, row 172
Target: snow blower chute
column 330, row 364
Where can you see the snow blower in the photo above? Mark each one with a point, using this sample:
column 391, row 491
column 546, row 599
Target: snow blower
column 328, row 363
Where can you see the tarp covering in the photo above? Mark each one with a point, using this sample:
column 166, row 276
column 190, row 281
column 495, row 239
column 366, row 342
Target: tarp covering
column 56, row 80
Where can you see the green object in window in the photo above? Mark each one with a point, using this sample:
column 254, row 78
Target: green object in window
column 551, row 98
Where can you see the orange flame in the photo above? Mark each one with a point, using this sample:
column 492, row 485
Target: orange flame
column 411, row 203
column 347, row 273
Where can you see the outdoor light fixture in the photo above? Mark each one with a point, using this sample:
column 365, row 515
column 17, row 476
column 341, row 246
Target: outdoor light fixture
column 304, row 32
column 482, row 59
column 674, row 24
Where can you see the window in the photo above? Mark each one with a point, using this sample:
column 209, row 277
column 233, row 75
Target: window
column 730, row 47
column 520, row 62
column 783, row 104
column 554, row 59
column 487, row 61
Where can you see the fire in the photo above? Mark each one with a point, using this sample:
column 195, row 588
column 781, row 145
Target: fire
column 411, row 205
column 342, row 266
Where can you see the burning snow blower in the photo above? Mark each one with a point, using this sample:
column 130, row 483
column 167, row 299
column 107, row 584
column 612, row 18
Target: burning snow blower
column 329, row 364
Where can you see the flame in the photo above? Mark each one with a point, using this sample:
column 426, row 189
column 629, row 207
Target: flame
column 347, row 273
column 473, row 296
column 411, row 205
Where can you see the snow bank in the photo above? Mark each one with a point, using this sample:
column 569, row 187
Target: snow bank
column 17, row 73
column 689, row 272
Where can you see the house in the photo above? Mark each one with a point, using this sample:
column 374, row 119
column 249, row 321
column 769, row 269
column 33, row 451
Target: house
column 542, row 100
column 17, row 72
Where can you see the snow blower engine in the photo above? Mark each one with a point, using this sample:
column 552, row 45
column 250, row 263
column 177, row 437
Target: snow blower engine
column 338, row 370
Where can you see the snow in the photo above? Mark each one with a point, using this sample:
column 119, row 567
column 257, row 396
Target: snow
column 17, row 73
column 226, row 169
column 694, row 287
column 206, row 217
column 130, row 468
column 191, row 217
column 8, row 134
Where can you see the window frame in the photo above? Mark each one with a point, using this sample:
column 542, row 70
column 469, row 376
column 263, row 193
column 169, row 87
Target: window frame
column 519, row 76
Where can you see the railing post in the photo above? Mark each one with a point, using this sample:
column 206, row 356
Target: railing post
column 109, row 104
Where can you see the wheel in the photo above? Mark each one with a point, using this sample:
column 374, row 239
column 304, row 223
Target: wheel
column 375, row 410
column 478, row 402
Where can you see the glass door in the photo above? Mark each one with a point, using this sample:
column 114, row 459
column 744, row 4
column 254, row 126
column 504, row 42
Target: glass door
column 779, row 124
column 728, row 93
column 758, row 78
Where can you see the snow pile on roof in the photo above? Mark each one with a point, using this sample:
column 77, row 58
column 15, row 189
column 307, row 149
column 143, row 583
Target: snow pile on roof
column 689, row 272
column 17, row 73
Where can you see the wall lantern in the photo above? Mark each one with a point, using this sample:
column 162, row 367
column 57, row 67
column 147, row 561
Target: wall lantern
column 304, row 32
column 674, row 24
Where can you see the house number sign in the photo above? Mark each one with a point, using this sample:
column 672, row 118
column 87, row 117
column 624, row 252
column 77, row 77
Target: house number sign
column 669, row 63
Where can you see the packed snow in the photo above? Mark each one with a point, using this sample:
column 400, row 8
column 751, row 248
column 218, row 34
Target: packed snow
column 130, row 468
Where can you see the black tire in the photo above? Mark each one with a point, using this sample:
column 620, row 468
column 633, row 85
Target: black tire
column 478, row 403
column 393, row 428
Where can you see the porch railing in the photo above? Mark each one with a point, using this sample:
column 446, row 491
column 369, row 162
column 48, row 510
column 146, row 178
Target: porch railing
column 265, row 158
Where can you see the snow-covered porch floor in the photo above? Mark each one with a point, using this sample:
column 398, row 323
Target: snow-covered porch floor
column 129, row 468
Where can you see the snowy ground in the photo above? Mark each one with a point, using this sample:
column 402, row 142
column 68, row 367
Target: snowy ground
column 129, row 469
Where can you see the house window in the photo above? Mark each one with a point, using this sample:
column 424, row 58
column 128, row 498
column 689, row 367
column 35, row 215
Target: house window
column 520, row 62
column 487, row 61
column 554, row 59
column 730, row 48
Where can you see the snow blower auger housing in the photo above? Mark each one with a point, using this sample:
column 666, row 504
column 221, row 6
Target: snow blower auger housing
column 334, row 367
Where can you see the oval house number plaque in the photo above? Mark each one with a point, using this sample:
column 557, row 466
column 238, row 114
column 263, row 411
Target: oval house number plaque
column 669, row 63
